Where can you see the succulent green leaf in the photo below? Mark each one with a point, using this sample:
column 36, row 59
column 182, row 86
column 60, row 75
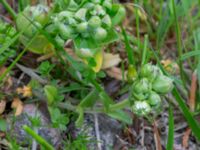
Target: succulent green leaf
column 51, row 93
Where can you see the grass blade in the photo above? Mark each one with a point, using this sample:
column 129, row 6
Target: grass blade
column 16, row 59
column 144, row 54
column 170, row 140
column 128, row 47
column 179, row 41
column 190, row 54
column 187, row 114
column 9, row 9
column 38, row 138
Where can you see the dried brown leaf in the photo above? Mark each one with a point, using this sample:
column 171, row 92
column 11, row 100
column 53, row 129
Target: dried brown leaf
column 2, row 106
column 17, row 104
column 26, row 91
column 116, row 73
column 110, row 60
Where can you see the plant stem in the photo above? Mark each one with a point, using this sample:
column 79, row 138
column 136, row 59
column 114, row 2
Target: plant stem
column 38, row 138
column 128, row 47
column 9, row 9
column 144, row 54
column 179, row 43
column 120, row 105
column 138, row 26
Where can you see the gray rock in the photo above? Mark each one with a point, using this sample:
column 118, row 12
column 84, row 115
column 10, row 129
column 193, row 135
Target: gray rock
column 16, row 132
column 108, row 129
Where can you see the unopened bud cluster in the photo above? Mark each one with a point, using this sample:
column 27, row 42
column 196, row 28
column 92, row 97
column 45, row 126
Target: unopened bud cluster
column 91, row 21
column 147, row 88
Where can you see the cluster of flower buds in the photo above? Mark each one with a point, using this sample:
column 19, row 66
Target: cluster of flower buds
column 147, row 88
column 6, row 34
column 91, row 20
column 31, row 17
column 29, row 21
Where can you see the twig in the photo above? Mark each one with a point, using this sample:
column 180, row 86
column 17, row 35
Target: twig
column 96, row 123
column 157, row 137
column 191, row 103
column 142, row 133
column 193, row 89
column 186, row 138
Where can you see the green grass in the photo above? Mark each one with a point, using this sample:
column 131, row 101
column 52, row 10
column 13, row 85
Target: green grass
column 170, row 141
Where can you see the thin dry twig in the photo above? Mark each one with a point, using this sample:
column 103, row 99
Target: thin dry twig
column 191, row 103
column 157, row 137
column 96, row 123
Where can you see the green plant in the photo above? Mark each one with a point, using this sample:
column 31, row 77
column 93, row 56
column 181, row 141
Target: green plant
column 147, row 88
column 7, row 32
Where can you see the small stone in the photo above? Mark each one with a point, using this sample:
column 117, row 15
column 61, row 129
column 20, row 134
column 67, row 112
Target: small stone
column 16, row 131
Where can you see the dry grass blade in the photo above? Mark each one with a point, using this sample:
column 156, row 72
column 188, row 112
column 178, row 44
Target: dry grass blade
column 191, row 103
column 157, row 137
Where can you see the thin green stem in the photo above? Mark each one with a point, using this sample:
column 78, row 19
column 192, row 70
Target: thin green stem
column 128, row 47
column 170, row 140
column 138, row 26
column 9, row 9
column 120, row 105
column 179, row 42
column 38, row 138
column 144, row 54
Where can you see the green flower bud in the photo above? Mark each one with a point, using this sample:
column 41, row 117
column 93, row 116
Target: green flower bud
column 141, row 108
column 59, row 41
column 40, row 13
column 89, row 5
column 65, row 31
column 150, row 71
column 154, row 99
column 107, row 21
column 52, row 29
column 62, row 16
column 100, row 34
column 162, row 84
column 141, row 89
column 107, row 4
column 85, row 34
column 82, row 27
column 98, row 11
column 94, row 22
column 72, row 21
column 81, row 14
column 96, row 1
column 84, row 52
column 132, row 73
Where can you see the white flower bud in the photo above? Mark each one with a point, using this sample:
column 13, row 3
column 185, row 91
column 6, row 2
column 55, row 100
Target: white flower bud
column 141, row 108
